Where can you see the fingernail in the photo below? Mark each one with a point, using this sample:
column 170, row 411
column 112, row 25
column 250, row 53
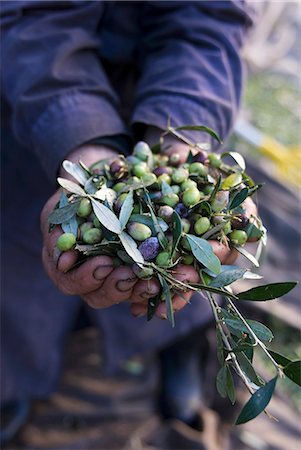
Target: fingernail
column 100, row 273
column 146, row 295
column 126, row 285
column 163, row 316
column 141, row 314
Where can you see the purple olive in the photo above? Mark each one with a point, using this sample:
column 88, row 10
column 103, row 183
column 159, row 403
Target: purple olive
column 239, row 222
column 160, row 170
column 165, row 212
column 201, row 156
column 181, row 210
column 118, row 168
column 149, row 248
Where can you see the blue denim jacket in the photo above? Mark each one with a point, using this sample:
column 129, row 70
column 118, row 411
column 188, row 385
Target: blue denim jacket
column 74, row 71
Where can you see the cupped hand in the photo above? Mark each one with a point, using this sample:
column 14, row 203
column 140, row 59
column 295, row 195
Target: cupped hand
column 97, row 281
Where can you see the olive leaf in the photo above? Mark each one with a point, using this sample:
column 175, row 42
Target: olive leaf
column 280, row 359
column 238, row 198
column 238, row 158
column 227, row 277
column 166, row 189
column 130, row 247
column 257, row 403
column 267, row 291
column 252, row 231
column 203, row 252
column 176, row 231
column 70, row 186
column 64, row 214
column 247, row 255
column 76, row 171
column 235, row 323
column 293, row 372
column 106, row 217
column 126, row 209
column 247, row 368
column 160, row 234
column 221, row 381
column 168, row 300
column 200, row 128
column 152, row 306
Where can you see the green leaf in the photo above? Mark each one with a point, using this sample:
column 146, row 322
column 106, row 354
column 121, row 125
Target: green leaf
column 203, row 252
column 280, row 359
column 227, row 277
column 237, row 158
column 124, row 257
column 257, row 403
column 293, row 372
column 70, row 186
column 221, row 381
column 200, row 128
column 158, row 230
column 166, row 189
column 147, row 220
column 238, row 198
column 106, row 217
column 130, row 247
column 76, row 171
column 252, row 231
column 71, row 225
column 216, row 189
column 247, row 367
column 126, row 209
column 176, row 231
column 267, row 292
column 168, row 300
column 152, row 306
column 60, row 215
column 104, row 248
column 247, row 255
column 230, row 386
column 189, row 159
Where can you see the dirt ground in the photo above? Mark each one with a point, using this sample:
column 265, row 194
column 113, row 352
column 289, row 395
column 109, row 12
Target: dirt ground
column 90, row 411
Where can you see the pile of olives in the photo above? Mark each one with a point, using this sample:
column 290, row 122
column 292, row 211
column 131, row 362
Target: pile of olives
column 206, row 194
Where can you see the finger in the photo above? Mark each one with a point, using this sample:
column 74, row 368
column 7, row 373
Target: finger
column 232, row 256
column 84, row 279
column 178, row 302
column 220, row 250
column 120, row 284
column 250, row 207
column 138, row 309
column 186, row 274
column 144, row 290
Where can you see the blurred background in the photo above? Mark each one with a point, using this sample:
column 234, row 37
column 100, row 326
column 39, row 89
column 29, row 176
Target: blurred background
column 94, row 412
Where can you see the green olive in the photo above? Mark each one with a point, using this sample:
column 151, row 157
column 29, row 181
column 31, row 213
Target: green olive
column 92, row 236
column 198, row 168
column 140, row 169
column 142, row 150
column 170, row 200
column 83, row 228
column 66, row 242
column 163, row 259
column 202, row 225
column 238, row 237
column 139, row 231
column 185, row 243
column 85, row 208
column 214, row 160
column 188, row 184
column 187, row 260
column 176, row 189
column 164, row 177
column 180, row 175
column 119, row 186
column 191, row 196
column 149, row 179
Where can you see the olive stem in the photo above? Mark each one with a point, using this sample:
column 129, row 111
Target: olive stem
column 257, row 340
column 215, row 307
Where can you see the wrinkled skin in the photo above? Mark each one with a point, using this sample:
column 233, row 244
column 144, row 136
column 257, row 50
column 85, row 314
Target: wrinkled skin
column 97, row 281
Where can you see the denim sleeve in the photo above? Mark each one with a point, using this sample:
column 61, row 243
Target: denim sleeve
column 190, row 64
column 52, row 78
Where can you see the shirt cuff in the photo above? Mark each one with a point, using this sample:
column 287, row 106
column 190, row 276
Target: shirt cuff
column 156, row 110
column 69, row 122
